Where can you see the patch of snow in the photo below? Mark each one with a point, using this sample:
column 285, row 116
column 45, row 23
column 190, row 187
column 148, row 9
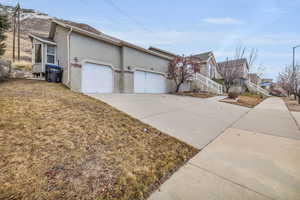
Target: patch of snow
column 34, row 16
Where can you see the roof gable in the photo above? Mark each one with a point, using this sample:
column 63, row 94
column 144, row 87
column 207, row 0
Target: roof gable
column 42, row 39
column 206, row 57
column 234, row 63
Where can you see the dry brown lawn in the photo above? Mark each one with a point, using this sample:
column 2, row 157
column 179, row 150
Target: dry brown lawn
column 57, row 144
column 196, row 94
column 249, row 101
column 292, row 104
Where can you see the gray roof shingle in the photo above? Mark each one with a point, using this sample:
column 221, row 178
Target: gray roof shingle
column 234, row 63
column 203, row 56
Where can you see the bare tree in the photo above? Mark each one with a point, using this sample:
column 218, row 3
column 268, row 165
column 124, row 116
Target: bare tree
column 258, row 69
column 231, row 70
column 182, row 69
column 242, row 52
column 285, row 80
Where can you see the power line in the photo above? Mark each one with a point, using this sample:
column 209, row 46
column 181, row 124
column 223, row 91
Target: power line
column 112, row 4
column 122, row 12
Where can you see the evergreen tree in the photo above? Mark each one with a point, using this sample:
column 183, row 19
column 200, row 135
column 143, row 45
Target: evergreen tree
column 4, row 26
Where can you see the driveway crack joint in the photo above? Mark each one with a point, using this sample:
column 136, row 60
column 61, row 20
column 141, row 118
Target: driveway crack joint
column 229, row 180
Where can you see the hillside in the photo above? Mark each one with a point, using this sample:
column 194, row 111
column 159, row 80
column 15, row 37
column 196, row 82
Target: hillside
column 33, row 21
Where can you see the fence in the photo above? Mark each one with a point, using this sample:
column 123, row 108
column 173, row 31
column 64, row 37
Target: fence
column 210, row 84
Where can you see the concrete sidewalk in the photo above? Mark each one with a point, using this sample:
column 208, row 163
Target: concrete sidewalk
column 257, row 158
column 270, row 117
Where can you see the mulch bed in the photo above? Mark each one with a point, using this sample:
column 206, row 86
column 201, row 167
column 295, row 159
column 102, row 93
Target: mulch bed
column 246, row 101
column 57, row 144
column 292, row 104
column 195, row 94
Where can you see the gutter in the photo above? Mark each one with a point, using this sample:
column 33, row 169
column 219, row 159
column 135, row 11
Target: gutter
column 68, row 49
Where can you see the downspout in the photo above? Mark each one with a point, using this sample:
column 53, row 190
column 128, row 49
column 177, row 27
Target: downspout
column 68, row 49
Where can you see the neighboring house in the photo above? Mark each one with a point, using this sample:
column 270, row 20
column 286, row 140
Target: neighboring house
column 267, row 80
column 266, row 83
column 254, row 78
column 208, row 65
column 98, row 63
column 201, row 81
column 242, row 69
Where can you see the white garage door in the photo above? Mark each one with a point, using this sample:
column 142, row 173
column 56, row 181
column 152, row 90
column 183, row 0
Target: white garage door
column 147, row 82
column 96, row 78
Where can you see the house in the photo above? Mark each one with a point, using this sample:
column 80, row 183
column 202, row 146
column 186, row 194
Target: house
column 266, row 83
column 254, row 78
column 208, row 65
column 239, row 67
column 267, row 80
column 99, row 63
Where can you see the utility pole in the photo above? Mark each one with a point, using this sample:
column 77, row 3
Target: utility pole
column 16, row 27
column 14, row 36
column 18, row 9
column 294, row 74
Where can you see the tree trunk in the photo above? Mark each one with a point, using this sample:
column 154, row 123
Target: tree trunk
column 227, row 86
column 177, row 88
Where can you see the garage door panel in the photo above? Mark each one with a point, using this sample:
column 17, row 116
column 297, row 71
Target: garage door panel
column 139, row 82
column 97, row 78
column 156, row 83
column 147, row 82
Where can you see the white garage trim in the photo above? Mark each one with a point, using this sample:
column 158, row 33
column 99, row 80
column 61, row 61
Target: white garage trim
column 97, row 62
column 88, row 61
column 145, row 70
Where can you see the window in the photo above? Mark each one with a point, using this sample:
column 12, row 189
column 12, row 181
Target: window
column 51, row 54
column 37, row 53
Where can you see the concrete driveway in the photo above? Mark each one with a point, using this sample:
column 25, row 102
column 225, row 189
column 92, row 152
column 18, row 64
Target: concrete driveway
column 193, row 120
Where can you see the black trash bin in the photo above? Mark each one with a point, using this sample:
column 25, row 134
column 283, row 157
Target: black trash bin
column 54, row 73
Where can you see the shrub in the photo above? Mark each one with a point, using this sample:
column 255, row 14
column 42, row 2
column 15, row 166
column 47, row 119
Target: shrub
column 233, row 95
column 234, row 92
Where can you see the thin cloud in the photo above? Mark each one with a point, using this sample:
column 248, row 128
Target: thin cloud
column 222, row 20
column 273, row 10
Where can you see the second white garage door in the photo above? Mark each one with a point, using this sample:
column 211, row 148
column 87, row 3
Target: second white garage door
column 96, row 78
column 147, row 82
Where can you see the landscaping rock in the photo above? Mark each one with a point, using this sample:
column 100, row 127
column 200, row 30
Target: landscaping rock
column 17, row 73
column 4, row 69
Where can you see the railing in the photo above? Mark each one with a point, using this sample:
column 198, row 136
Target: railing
column 258, row 89
column 207, row 82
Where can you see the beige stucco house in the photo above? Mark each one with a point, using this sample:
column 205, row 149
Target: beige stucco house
column 208, row 66
column 238, row 67
column 98, row 63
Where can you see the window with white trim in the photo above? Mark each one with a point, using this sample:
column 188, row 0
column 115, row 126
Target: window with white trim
column 50, row 54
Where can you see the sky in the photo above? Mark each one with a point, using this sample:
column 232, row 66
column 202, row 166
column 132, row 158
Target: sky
column 192, row 26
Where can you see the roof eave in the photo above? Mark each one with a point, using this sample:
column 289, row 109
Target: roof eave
column 117, row 43
column 41, row 39
column 151, row 48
